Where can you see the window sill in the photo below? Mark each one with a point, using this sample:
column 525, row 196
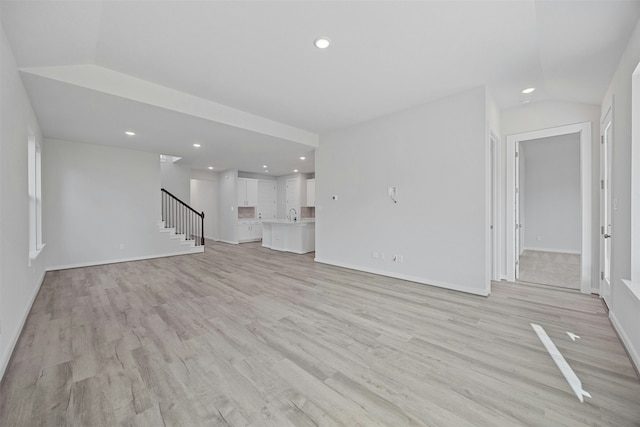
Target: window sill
column 33, row 255
column 634, row 287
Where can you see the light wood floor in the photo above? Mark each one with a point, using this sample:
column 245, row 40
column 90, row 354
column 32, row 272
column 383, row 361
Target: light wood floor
column 244, row 336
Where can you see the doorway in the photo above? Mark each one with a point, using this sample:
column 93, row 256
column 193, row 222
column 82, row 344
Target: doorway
column 548, row 211
column 513, row 229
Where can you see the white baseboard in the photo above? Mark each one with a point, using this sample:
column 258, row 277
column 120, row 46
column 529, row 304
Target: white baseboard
column 4, row 362
column 421, row 280
column 628, row 344
column 231, row 242
column 195, row 250
column 560, row 251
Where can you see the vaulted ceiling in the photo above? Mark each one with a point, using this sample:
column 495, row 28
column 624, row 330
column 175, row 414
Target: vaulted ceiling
column 243, row 78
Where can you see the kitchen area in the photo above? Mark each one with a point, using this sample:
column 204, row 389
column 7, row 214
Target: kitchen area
column 245, row 207
column 280, row 212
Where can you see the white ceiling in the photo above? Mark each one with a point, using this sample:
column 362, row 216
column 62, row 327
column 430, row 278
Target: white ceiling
column 258, row 58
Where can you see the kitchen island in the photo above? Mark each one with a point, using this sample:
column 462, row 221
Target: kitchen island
column 289, row 236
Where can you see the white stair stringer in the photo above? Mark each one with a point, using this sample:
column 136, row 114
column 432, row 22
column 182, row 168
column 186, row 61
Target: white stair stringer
column 177, row 243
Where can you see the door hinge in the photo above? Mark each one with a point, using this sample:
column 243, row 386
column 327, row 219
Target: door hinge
column 517, row 262
column 602, row 275
column 601, row 139
column 602, row 229
column 602, row 184
column 517, row 190
column 517, row 154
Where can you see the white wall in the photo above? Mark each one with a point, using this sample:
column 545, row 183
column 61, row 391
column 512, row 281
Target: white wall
column 551, row 193
column 625, row 308
column 549, row 114
column 19, row 281
column 439, row 225
column 176, row 179
column 97, row 198
column 228, row 197
column 204, row 198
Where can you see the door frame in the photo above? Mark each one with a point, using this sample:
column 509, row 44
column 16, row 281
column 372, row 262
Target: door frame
column 496, row 220
column 584, row 131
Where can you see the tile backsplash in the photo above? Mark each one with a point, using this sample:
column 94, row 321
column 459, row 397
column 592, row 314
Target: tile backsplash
column 246, row 212
column 307, row 212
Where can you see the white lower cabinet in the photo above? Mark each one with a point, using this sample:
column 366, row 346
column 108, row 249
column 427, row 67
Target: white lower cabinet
column 244, row 231
column 249, row 231
column 256, row 230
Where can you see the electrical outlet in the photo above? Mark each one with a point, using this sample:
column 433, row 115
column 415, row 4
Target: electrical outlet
column 400, row 258
column 539, row 238
column 334, row 197
column 121, row 245
column 375, row 255
column 381, row 255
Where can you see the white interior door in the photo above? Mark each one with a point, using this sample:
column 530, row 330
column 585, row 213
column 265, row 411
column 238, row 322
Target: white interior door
column 605, row 209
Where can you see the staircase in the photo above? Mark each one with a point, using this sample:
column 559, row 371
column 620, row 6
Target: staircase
column 182, row 224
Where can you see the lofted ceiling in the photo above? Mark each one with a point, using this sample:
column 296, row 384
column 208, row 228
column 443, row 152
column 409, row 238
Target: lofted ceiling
column 263, row 93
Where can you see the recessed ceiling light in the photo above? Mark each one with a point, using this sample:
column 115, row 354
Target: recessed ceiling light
column 267, row 171
column 303, row 158
column 210, row 167
column 322, row 42
column 295, row 170
column 529, row 90
column 196, row 145
column 264, row 166
column 130, row 133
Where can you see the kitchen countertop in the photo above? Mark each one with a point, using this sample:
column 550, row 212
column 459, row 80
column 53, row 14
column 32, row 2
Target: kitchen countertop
column 287, row 222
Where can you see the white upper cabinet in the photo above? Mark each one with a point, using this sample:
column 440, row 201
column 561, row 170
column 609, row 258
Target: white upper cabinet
column 247, row 192
column 311, row 192
column 252, row 192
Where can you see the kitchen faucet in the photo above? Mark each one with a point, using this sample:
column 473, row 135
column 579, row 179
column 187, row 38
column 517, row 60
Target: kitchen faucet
column 293, row 217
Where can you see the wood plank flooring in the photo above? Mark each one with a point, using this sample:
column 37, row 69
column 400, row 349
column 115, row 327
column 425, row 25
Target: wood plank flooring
column 245, row 336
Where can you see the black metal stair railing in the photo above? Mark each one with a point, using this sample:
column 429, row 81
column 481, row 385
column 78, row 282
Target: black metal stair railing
column 186, row 220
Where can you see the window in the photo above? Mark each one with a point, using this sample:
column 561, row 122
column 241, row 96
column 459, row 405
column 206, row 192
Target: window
column 35, row 198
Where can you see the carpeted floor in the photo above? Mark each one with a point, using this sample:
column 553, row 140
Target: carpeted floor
column 550, row 268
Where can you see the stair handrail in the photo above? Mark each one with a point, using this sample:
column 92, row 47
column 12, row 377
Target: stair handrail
column 186, row 205
column 200, row 214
